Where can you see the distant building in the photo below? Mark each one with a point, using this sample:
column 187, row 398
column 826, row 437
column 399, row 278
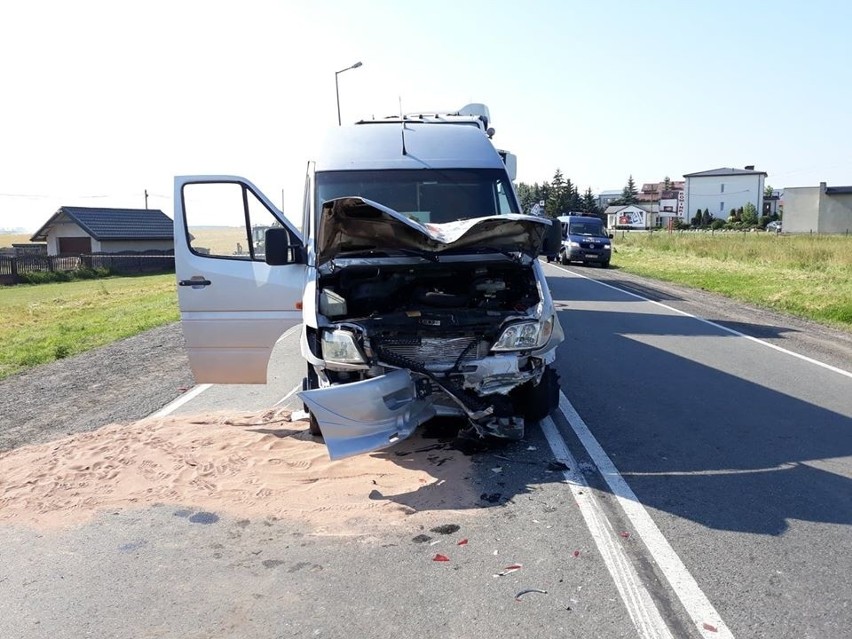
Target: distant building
column 605, row 198
column 818, row 209
column 720, row 190
column 632, row 216
column 77, row 230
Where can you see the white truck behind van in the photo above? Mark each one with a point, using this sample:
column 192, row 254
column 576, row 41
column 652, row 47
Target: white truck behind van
column 414, row 277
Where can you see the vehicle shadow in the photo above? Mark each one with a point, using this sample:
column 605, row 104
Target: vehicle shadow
column 701, row 424
column 712, row 431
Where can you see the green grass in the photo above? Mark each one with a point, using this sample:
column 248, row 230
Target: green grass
column 50, row 321
column 807, row 276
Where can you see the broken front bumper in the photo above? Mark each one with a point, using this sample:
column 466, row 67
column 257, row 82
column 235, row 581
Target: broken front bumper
column 360, row 417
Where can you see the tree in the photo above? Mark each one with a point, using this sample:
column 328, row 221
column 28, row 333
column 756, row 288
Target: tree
column 557, row 203
column 629, row 192
column 749, row 215
column 706, row 218
column 589, row 204
column 696, row 221
column 768, row 191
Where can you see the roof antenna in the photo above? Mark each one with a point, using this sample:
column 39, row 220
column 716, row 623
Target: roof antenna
column 402, row 121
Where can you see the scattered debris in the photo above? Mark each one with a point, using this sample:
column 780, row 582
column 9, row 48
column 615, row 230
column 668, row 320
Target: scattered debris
column 497, row 469
column 710, row 627
column 491, row 498
column 509, row 570
column 440, row 557
column 557, row 465
column 298, row 415
column 446, row 529
column 462, row 542
column 528, row 591
column 624, row 534
column 531, row 448
column 421, row 539
column 435, row 543
column 576, row 553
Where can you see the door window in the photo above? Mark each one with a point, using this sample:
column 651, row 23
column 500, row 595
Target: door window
column 226, row 219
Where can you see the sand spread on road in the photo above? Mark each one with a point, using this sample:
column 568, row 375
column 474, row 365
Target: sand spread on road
column 251, row 465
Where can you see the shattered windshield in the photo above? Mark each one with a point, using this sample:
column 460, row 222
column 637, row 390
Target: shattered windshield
column 426, row 195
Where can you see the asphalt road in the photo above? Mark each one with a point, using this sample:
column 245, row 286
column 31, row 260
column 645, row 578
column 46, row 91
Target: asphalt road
column 708, row 491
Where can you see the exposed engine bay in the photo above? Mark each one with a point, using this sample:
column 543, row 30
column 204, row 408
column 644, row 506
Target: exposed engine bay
column 446, row 324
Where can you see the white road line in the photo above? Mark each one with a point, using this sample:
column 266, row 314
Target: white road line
column 640, row 606
column 296, row 388
column 711, row 323
column 195, row 391
column 172, row 406
column 697, row 606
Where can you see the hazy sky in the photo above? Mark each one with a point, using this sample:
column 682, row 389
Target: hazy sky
column 102, row 100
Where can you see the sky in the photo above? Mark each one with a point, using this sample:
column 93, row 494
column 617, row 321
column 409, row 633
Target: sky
column 103, row 100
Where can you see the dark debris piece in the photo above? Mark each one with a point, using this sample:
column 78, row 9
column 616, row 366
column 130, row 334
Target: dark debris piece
column 557, row 465
column 421, row 539
column 446, row 529
column 491, row 498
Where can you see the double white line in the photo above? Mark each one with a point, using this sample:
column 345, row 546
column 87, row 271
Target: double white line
column 637, row 599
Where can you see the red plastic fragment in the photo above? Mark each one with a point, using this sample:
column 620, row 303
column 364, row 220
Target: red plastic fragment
column 710, row 627
column 462, row 542
column 576, row 553
column 624, row 534
column 440, row 557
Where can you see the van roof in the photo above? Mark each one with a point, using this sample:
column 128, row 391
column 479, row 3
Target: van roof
column 378, row 145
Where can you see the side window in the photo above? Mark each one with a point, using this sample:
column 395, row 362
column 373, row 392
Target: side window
column 503, row 200
column 226, row 220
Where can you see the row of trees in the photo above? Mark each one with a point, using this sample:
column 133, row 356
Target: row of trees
column 741, row 218
column 560, row 196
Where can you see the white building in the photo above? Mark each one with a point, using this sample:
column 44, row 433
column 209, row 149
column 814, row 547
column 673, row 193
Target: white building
column 720, row 190
column 77, row 230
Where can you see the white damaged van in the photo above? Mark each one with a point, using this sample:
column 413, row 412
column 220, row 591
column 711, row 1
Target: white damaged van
column 414, row 276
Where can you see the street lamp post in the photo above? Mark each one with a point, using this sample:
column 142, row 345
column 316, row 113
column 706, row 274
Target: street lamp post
column 337, row 91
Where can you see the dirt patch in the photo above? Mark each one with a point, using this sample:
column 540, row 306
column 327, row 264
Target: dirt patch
column 255, row 465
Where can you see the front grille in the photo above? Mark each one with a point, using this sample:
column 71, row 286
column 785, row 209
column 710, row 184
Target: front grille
column 431, row 351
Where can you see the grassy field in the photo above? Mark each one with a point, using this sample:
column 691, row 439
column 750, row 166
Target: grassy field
column 8, row 240
column 50, row 321
column 808, row 276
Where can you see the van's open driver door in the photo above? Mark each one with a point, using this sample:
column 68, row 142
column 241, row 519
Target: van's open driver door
column 234, row 306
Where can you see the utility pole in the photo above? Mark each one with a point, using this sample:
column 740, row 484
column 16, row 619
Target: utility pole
column 146, row 199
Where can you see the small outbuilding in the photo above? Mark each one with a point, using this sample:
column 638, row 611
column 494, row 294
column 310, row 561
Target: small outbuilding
column 818, row 209
column 77, row 230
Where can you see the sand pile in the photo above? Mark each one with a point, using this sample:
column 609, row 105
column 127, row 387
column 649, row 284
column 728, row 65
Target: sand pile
column 253, row 465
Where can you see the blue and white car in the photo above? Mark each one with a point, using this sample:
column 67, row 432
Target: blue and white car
column 585, row 239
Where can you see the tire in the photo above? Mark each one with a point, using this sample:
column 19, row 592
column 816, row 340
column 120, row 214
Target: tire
column 563, row 257
column 536, row 402
column 309, row 382
column 605, row 264
column 313, row 426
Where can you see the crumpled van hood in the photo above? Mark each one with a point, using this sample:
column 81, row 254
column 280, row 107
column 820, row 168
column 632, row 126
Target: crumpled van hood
column 356, row 224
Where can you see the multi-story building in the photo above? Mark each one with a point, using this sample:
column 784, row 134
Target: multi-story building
column 720, row 190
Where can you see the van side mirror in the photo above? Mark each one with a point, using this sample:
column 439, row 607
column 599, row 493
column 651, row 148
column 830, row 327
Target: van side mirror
column 552, row 239
column 280, row 251
column 610, row 235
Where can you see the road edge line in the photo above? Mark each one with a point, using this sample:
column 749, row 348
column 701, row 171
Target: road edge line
column 180, row 401
column 640, row 605
column 805, row 358
column 693, row 599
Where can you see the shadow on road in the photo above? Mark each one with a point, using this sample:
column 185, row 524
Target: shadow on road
column 742, row 452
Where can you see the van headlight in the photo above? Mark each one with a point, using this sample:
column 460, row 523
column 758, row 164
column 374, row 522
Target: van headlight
column 339, row 346
column 524, row 336
column 573, row 244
